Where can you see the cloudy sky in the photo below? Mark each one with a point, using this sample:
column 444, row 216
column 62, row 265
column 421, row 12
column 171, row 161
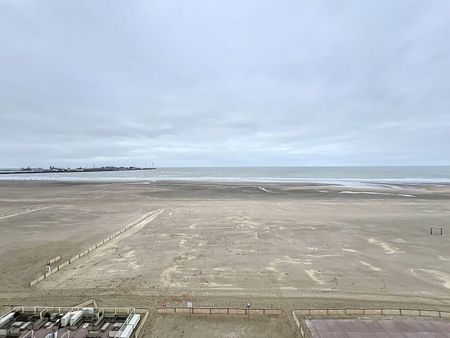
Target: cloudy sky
column 224, row 83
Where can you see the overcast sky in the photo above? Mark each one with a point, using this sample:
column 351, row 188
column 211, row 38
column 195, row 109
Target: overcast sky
column 224, row 83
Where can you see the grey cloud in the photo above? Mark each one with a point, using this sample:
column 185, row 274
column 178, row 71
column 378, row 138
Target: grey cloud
column 229, row 83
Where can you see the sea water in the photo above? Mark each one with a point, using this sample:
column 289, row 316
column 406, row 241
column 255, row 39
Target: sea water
column 335, row 175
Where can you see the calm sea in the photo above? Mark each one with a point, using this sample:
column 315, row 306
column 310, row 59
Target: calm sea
column 339, row 175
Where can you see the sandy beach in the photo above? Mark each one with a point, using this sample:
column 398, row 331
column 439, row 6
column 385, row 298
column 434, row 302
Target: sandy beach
column 283, row 245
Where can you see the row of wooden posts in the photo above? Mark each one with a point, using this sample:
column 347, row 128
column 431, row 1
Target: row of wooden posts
column 54, row 270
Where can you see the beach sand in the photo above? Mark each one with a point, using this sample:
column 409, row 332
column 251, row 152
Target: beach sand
column 280, row 245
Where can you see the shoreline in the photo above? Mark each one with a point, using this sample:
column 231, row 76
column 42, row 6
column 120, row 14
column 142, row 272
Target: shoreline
column 350, row 183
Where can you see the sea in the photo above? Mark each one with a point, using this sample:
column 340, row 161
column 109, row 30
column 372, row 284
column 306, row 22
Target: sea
column 343, row 175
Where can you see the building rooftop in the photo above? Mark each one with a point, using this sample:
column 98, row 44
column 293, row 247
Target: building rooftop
column 64, row 322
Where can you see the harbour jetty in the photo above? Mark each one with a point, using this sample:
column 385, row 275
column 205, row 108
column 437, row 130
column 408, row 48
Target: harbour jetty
column 52, row 169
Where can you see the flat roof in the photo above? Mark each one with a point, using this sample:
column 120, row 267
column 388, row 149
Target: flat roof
column 39, row 322
column 386, row 328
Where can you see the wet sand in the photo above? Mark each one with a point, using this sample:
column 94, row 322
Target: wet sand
column 286, row 245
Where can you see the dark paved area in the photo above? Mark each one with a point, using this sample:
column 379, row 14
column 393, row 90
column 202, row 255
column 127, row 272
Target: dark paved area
column 354, row 328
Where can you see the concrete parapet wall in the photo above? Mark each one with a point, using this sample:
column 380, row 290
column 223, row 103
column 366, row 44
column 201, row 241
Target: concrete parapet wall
column 392, row 312
column 201, row 311
column 184, row 310
column 410, row 312
column 163, row 311
column 371, row 312
column 355, row 312
column 258, row 311
column 85, row 252
column 303, row 311
column 445, row 314
column 239, row 312
column 319, row 312
column 430, row 313
column 217, row 311
column 273, row 312
column 336, row 312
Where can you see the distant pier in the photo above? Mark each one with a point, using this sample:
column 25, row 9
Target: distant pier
column 68, row 170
